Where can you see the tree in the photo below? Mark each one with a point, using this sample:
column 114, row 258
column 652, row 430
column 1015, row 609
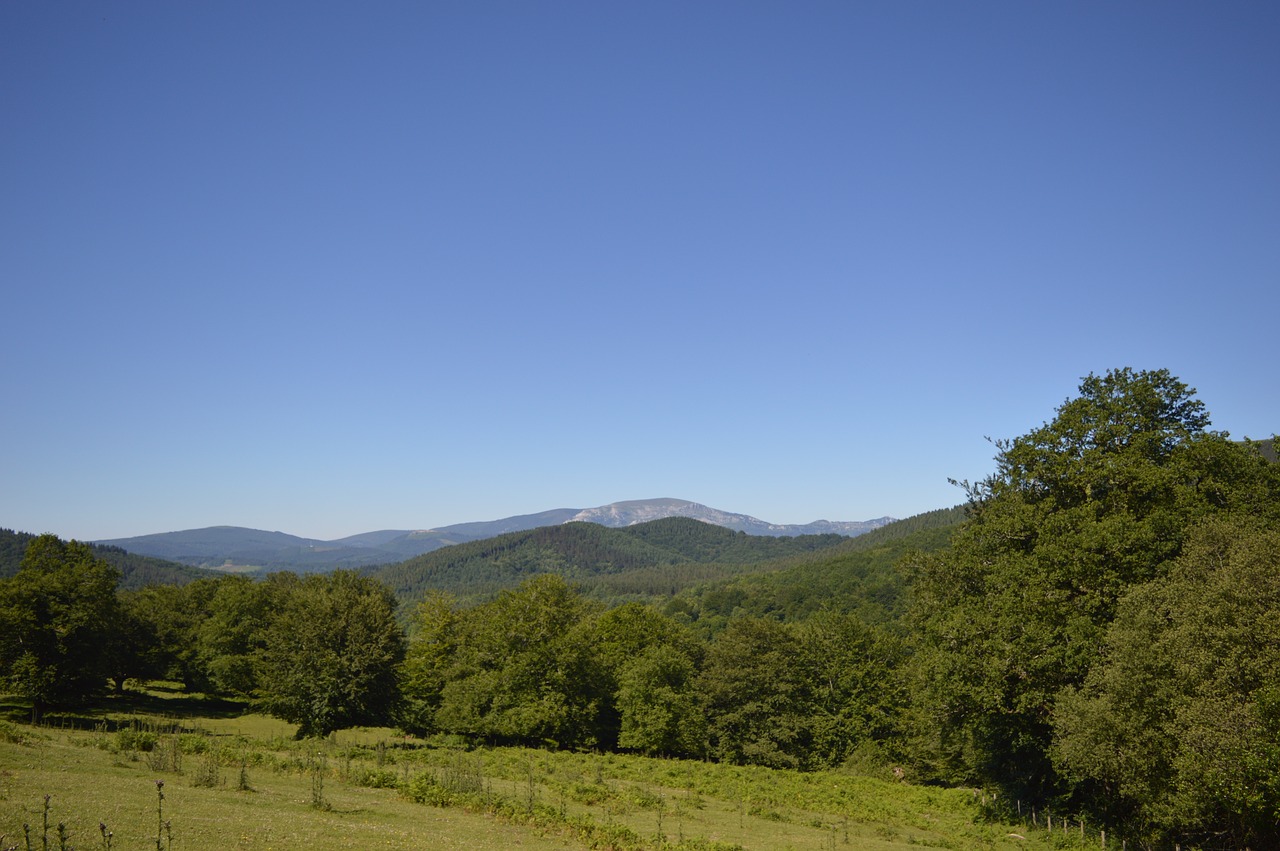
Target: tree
column 602, row 646
column 57, row 616
column 758, row 695
column 231, row 635
column 170, row 617
column 506, row 671
column 857, row 691
column 661, row 711
column 133, row 644
column 432, row 649
column 1078, row 512
column 331, row 653
column 1178, row 729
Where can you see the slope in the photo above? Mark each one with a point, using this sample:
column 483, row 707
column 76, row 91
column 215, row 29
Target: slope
column 136, row 571
column 580, row 551
column 861, row 575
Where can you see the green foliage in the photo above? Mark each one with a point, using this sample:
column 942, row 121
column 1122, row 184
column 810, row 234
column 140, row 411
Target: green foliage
column 857, row 691
column 170, row 616
column 806, row 695
column 861, row 577
column 330, row 654
column 757, row 695
column 232, row 634
column 1178, row 729
column 1078, row 512
column 584, row 552
column 505, row 670
column 57, row 615
column 13, row 546
column 542, row 665
column 661, row 710
column 133, row 643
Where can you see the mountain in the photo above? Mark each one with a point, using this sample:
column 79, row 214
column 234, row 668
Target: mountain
column 238, row 548
column 619, row 514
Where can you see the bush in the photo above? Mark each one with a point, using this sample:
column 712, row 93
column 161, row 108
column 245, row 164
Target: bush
column 134, row 739
column 374, row 778
column 11, row 734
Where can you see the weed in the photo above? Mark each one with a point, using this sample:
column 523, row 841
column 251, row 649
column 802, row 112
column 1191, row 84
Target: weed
column 133, row 739
column 319, row 767
column 208, row 774
column 165, row 755
column 44, row 833
column 161, row 826
column 532, row 788
column 242, row 784
column 10, row 733
column 373, row 778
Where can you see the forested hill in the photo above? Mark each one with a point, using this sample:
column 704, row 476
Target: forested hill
column 136, row 571
column 580, row 551
column 862, row 576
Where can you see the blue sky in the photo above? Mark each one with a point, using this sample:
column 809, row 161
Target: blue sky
column 326, row 268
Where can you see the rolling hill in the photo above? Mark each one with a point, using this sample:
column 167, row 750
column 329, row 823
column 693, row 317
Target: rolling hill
column 136, row 571
column 235, row 547
column 580, row 551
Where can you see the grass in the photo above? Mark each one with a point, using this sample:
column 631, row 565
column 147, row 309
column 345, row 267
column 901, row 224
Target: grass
column 241, row 781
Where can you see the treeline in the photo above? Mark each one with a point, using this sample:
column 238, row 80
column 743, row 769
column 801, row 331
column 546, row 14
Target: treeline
column 540, row 664
column 543, row 665
column 321, row 651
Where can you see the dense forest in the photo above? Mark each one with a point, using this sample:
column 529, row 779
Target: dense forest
column 1096, row 631
column 585, row 552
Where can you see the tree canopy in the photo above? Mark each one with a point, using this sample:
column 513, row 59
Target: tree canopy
column 1079, row 511
column 58, row 614
column 330, row 654
column 1177, row 730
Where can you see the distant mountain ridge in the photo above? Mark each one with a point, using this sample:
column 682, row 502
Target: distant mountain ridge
column 618, row 514
column 228, row 547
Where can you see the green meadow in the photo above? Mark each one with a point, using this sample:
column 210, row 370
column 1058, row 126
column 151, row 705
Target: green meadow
column 167, row 771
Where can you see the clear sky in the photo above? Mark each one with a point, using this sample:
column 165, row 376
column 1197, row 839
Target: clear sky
column 326, row 268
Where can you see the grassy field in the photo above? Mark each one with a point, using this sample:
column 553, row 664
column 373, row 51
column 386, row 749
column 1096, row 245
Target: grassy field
column 235, row 780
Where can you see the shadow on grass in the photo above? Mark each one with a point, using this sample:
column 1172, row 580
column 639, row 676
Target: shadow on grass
column 165, row 700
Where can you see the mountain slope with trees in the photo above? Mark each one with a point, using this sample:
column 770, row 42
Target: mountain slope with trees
column 580, row 551
column 858, row 576
column 136, row 571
